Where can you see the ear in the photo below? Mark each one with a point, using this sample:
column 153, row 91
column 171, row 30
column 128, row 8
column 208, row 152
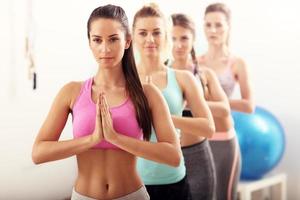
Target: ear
column 128, row 42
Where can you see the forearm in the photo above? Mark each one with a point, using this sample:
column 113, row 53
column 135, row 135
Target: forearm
column 242, row 105
column 195, row 126
column 218, row 109
column 162, row 152
column 45, row 151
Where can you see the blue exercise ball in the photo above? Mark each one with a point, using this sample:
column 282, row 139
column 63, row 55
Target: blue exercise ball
column 262, row 142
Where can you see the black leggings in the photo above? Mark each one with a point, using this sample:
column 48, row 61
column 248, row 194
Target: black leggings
column 174, row 191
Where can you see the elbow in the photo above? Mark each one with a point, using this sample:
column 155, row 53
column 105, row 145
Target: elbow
column 174, row 158
column 175, row 162
column 211, row 130
column 245, row 106
column 35, row 156
column 225, row 112
column 250, row 108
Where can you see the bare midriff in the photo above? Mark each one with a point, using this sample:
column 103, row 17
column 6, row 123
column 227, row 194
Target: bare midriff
column 106, row 174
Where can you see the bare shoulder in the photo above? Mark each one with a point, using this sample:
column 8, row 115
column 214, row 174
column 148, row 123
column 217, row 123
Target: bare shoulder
column 183, row 75
column 72, row 85
column 239, row 64
column 152, row 93
column 70, row 91
column 71, row 88
column 201, row 60
column 207, row 72
column 150, row 89
column 186, row 80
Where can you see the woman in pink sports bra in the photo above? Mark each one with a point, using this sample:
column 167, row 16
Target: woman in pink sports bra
column 230, row 69
column 113, row 114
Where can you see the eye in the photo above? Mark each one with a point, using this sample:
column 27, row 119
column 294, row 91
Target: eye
column 143, row 33
column 184, row 38
column 156, row 33
column 113, row 39
column 219, row 25
column 173, row 39
column 208, row 25
column 97, row 40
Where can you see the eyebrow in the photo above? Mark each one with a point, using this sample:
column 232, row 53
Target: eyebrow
column 97, row 36
column 156, row 29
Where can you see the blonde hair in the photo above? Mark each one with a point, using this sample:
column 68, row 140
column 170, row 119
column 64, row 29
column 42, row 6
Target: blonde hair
column 222, row 8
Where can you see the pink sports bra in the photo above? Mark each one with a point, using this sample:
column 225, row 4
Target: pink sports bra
column 226, row 79
column 84, row 114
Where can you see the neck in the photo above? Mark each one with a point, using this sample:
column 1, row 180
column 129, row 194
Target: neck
column 110, row 78
column 150, row 65
column 217, row 51
column 181, row 63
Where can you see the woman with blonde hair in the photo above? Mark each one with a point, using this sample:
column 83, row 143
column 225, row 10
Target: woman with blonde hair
column 230, row 70
column 151, row 39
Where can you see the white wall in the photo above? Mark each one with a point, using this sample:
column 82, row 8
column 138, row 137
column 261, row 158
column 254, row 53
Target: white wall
column 265, row 33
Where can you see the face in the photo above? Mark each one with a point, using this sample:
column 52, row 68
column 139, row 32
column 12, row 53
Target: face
column 149, row 36
column 108, row 42
column 182, row 42
column 216, row 28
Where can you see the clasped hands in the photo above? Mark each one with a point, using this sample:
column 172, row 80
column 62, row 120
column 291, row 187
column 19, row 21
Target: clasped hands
column 103, row 123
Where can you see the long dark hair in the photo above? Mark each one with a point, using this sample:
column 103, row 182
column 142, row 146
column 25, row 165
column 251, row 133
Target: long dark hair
column 186, row 22
column 133, row 83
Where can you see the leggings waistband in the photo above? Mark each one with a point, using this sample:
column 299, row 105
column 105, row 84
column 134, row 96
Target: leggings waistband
column 195, row 147
column 223, row 135
column 140, row 194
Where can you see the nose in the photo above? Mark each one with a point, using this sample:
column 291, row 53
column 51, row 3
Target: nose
column 105, row 47
column 150, row 38
column 213, row 29
column 177, row 45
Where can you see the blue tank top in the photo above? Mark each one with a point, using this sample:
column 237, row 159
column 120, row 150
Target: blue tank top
column 153, row 173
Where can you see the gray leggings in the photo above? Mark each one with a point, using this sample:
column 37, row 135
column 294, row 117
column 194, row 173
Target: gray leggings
column 228, row 165
column 200, row 170
column 140, row 194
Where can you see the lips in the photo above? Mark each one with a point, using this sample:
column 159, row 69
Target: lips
column 150, row 47
column 179, row 52
column 106, row 58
